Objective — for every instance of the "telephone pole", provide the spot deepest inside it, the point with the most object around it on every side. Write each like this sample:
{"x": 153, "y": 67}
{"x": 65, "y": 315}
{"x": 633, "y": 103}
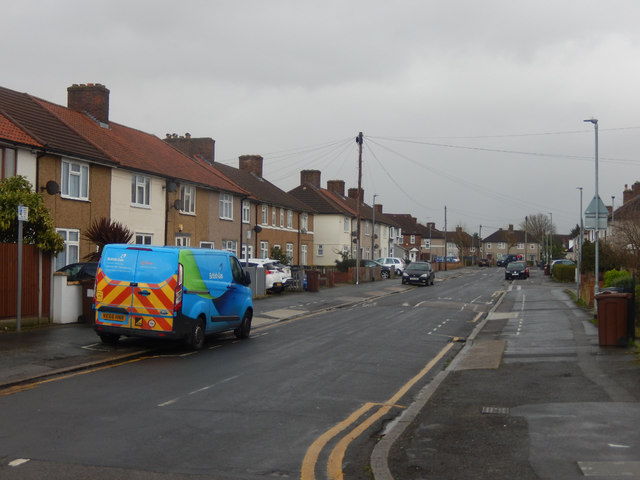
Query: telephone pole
{"x": 359, "y": 142}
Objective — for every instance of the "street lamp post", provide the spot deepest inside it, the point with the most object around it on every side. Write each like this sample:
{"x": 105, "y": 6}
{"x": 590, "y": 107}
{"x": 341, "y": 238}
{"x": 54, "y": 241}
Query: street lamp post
{"x": 596, "y": 287}
{"x": 580, "y": 247}
{"x": 550, "y": 252}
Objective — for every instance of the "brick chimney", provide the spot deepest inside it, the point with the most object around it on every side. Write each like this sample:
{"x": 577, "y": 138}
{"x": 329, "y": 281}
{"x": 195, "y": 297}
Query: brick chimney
{"x": 630, "y": 193}
{"x": 336, "y": 186}
{"x": 203, "y": 148}
{"x": 92, "y": 98}
{"x": 251, "y": 164}
{"x": 511, "y": 229}
{"x": 310, "y": 176}
{"x": 378, "y": 208}
{"x": 353, "y": 193}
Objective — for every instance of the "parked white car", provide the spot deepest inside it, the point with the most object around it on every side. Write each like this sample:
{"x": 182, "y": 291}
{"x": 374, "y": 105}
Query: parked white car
{"x": 274, "y": 278}
{"x": 395, "y": 263}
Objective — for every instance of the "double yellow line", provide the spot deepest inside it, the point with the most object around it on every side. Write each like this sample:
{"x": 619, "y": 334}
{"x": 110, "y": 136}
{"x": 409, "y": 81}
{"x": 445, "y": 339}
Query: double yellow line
{"x": 334, "y": 464}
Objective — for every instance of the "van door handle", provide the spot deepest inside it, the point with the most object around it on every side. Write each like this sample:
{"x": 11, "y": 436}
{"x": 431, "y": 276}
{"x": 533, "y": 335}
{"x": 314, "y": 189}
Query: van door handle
{"x": 144, "y": 292}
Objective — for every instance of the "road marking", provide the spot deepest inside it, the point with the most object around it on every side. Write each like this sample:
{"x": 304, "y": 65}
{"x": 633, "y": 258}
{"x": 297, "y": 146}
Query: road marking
{"x": 334, "y": 465}
{"x": 199, "y": 390}
{"x": 477, "y": 317}
{"x": 18, "y": 461}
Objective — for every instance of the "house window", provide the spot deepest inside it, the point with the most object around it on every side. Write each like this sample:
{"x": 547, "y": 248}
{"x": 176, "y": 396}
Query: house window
{"x": 305, "y": 221}
{"x": 427, "y": 243}
{"x": 472, "y": 249}
{"x": 532, "y": 247}
{"x": 501, "y": 245}
{"x": 303, "y": 254}
{"x": 367, "y": 228}
{"x": 273, "y": 216}
{"x": 246, "y": 254}
{"x": 210, "y": 245}
{"x": 289, "y": 219}
{"x": 226, "y": 206}
{"x": 7, "y": 163}
{"x": 264, "y": 249}
{"x": 265, "y": 215}
{"x": 246, "y": 211}
{"x": 367, "y": 252}
{"x": 140, "y": 190}
{"x": 488, "y": 246}
{"x": 183, "y": 241}
{"x": 188, "y": 197}
{"x": 75, "y": 180}
{"x": 229, "y": 245}
{"x": 71, "y": 251}
{"x": 347, "y": 225}
{"x": 521, "y": 246}
{"x": 290, "y": 252}
{"x": 143, "y": 238}
{"x": 412, "y": 239}
{"x": 320, "y": 250}
{"x": 282, "y": 218}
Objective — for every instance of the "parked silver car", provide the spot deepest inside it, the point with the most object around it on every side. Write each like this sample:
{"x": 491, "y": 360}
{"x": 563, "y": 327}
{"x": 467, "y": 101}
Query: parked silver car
{"x": 394, "y": 263}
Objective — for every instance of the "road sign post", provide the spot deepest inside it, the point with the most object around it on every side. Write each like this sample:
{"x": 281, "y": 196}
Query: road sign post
{"x": 23, "y": 216}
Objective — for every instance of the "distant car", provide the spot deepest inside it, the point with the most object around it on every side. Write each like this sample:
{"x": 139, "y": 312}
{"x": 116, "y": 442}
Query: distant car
{"x": 517, "y": 269}
{"x": 452, "y": 259}
{"x": 560, "y": 261}
{"x": 385, "y": 272}
{"x": 395, "y": 263}
{"x": 287, "y": 278}
{"x": 484, "y": 262}
{"x": 420, "y": 273}
{"x": 80, "y": 271}
{"x": 274, "y": 279}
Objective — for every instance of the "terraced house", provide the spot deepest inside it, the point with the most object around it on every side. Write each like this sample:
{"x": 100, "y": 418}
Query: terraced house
{"x": 94, "y": 167}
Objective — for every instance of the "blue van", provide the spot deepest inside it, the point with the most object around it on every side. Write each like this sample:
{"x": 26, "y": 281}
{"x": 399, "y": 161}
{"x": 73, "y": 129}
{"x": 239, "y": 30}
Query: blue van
{"x": 170, "y": 292}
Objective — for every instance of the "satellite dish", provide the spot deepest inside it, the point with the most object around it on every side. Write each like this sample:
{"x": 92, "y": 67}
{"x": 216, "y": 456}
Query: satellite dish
{"x": 257, "y": 229}
{"x": 52, "y": 187}
{"x": 178, "y": 205}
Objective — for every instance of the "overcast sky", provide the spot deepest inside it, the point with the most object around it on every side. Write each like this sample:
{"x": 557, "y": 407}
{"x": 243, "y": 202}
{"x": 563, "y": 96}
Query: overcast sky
{"x": 473, "y": 106}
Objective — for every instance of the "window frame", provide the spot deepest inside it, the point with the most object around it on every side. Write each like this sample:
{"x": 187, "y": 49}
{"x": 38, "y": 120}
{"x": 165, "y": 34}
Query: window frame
{"x": 68, "y": 247}
{"x": 144, "y": 237}
{"x": 246, "y": 211}
{"x": 66, "y": 179}
{"x": 188, "y": 197}
{"x": 140, "y": 182}
{"x": 226, "y": 206}
{"x": 5, "y": 160}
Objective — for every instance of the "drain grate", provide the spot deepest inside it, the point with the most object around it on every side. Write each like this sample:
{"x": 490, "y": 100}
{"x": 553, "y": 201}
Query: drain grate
{"x": 495, "y": 410}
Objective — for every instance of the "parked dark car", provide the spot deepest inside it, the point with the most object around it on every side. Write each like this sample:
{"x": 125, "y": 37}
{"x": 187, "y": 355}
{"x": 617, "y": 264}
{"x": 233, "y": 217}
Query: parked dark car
{"x": 560, "y": 261}
{"x": 385, "y": 271}
{"x": 419, "y": 273}
{"x": 516, "y": 269}
{"x": 484, "y": 262}
{"x": 80, "y": 271}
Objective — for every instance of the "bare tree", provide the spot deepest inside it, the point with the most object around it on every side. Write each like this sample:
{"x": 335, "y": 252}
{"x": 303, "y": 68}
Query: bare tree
{"x": 626, "y": 242}
{"x": 537, "y": 226}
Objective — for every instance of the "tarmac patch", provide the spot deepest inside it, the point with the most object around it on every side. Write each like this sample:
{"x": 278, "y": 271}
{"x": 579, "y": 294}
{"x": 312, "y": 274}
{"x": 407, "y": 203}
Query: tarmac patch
{"x": 482, "y": 354}
{"x": 502, "y": 315}
{"x": 282, "y": 313}
{"x": 610, "y": 469}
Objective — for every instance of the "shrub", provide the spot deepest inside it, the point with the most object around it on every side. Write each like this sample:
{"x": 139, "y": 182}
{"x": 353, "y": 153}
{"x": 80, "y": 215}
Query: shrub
{"x": 564, "y": 273}
{"x": 618, "y": 278}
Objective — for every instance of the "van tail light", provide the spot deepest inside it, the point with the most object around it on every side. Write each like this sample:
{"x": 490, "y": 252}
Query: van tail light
{"x": 177, "y": 299}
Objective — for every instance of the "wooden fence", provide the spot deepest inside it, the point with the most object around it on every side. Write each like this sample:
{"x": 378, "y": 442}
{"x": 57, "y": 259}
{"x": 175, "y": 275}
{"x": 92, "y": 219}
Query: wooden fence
{"x": 36, "y": 281}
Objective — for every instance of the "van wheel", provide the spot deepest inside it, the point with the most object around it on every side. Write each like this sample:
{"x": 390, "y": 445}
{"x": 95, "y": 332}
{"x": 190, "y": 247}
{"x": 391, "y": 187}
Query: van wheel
{"x": 109, "y": 338}
{"x": 196, "y": 339}
{"x": 244, "y": 330}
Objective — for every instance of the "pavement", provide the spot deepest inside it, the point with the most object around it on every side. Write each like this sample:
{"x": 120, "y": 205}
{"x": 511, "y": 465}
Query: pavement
{"x": 531, "y": 395}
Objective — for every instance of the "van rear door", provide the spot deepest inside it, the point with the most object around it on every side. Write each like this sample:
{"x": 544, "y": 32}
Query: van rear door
{"x": 135, "y": 288}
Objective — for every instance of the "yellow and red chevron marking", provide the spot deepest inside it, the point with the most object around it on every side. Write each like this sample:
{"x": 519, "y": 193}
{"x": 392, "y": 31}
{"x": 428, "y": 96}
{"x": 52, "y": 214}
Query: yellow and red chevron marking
{"x": 111, "y": 292}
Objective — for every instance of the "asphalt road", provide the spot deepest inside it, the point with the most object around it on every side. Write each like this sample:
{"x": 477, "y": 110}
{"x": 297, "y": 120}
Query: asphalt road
{"x": 299, "y": 398}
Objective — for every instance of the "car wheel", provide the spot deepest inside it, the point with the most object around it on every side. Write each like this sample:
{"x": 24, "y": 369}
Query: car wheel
{"x": 398, "y": 272}
{"x": 385, "y": 274}
{"x": 244, "y": 330}
{"x": 196, "y": 338}
{"x": 109, "y": 338}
